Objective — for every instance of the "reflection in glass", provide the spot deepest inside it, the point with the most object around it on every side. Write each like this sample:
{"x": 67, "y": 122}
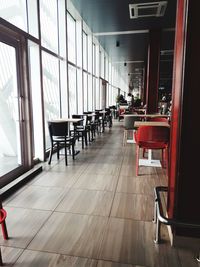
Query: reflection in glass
{"x": 35, "y": 84}
{"x": 51, "y": 91}
{"x": 14, "y": 11}
{"x": 97, "y": 94}
{"x": 49, "y": 25}
{"x": 85, "y": 48}
{"x": 85, "y": 91}
{"x": 80, "y": 91}
{"x": 90, "y": 93}
{"x": 71, "y": 38}
{"x": 10, "y": 147}
{"x": 72, "y": 89}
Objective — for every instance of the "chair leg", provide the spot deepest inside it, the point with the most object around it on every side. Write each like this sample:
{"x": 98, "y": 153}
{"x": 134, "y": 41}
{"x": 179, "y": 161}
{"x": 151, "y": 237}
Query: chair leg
{"x": 50, "y": 155}
{"x": 65, "y": 154}
{"x": 137, "y": 159}
{"x": 86, "y": 140}
{"x": 1, "y": 262}
{"x": 4, "y": 230}
{"x": 82, "y": 139}
{"x": 73, "y": 151}
{"x": 58, "y": 148}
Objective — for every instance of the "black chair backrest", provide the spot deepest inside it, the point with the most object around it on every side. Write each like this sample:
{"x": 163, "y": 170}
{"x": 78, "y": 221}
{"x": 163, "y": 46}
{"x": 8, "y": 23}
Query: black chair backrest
{"x": 108, "y": 111}
{"x": 75, "y": 116}
{"x": 58, "y": 129}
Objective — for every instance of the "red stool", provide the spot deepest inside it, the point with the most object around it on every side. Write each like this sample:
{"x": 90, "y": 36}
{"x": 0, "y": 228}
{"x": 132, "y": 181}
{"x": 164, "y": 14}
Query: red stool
{"x": 3, "y": 215}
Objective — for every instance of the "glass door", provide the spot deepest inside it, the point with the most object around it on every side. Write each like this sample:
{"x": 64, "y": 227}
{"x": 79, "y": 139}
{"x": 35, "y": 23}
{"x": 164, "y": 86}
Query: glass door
{"x": 10, "y": 145}
{"x": 13, "y": 134}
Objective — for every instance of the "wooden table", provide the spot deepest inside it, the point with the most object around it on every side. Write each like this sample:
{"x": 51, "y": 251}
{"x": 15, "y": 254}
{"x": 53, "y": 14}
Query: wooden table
{"x": 67, "y": 120}
{"x": 151, "y": 123}
{"x": 147, "y": 115}
{"x": 150, "y": 162}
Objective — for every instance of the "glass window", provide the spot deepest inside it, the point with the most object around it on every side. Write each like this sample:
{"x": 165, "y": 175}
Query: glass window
{"x": 34, "y": 75}
{"x": 71, "y": 37}
{"x": 14, "y": 11}
{"x": 97, "y": 94}
{"x": 79, "y": 43}
{"x": 80, "y": 91}
{"x": 97, "y": 61}
{"x": 93, "y": 59}
{"x": 102, "y": 65}
{"x": 85, "y": 48}
{"x": 49, "y": 24}
{"x": 63, "y": 88}
{"x": 32, "y": 18}
{"x": 62, "y": 28}
{"x": 106, "y": 68}
{"x": 51, "y": 90}
{"x": 72, "y": 90}
{"x": 94, "y": 93}
{"x": 85, "y": 91}
{"x": 90, "y": 93}
{"x": 90, "y": 53}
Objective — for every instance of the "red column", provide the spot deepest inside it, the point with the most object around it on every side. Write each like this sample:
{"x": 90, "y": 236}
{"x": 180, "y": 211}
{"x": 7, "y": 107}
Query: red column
{"x": 153, "y": 71}
{"x": 184, "y": 181}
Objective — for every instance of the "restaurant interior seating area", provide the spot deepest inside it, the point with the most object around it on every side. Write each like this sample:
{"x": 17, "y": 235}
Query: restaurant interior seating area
{"x": 99, "y": 135}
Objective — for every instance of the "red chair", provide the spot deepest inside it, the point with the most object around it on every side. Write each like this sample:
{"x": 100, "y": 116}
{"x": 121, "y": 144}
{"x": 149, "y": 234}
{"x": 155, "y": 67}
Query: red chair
{"x": 152, "y": 137}
{"x": 3, "y": 215}
{"x": 161, "y": 119}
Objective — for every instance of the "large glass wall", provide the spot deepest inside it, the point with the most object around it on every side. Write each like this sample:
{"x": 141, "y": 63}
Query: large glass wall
{"x": 65, "y": 63}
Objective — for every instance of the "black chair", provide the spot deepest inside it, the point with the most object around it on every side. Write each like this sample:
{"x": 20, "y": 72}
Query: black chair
{"x": 108, "y": 117}
{"x": 80, "y": 129}
{"x": 59, "y": 136}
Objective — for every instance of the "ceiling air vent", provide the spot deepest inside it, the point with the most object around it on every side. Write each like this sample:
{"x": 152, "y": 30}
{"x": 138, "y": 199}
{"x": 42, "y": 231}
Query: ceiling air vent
{"x": 153, "y": 9}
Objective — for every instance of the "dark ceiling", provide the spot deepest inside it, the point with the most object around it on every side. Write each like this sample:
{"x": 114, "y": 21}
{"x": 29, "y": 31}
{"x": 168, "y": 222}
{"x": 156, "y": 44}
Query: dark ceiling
{"x": 106, "y": 18}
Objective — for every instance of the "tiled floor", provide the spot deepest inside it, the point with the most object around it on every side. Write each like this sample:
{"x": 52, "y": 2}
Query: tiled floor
{"x": 92, "y": 213}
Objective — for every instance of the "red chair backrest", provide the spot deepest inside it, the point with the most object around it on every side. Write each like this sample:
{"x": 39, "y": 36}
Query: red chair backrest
{"x": 152, "y": 134}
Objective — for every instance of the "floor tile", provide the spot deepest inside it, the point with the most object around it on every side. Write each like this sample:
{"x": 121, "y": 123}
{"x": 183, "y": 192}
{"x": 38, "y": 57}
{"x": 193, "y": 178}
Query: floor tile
{"x": 31, "y": 258}
{"x": 96, "y": 182}
{"x": 133, "y": 206}
{"x": 39, "y": 197}
{"x": 22, "y": 225}
{"x": 137, "y": 185}
{"x": 59, "y": 179}
{"x": 103, "y": 168}
{"x": 188, "y": 258}
{"x": 10, "y": 255}
{"x": 87, "y": 202}
{"x": 114, "y": 264}
{"x": 72, "y": 234}
{"x": 134, "y": 244}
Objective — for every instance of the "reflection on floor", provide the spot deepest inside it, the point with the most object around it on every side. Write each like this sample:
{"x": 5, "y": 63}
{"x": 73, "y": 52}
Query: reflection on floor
{"x": 94, "y": 212}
